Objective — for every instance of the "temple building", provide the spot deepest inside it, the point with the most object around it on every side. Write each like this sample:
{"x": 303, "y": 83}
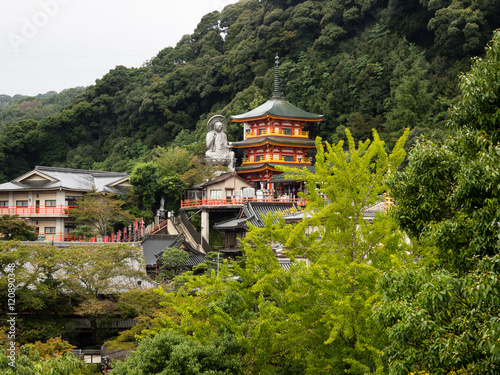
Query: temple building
{"x": 273, "y": 136}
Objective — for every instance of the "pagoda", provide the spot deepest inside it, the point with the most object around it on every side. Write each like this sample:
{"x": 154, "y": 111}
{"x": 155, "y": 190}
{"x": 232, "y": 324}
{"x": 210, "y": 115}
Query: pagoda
{"x": 273, "y": 136}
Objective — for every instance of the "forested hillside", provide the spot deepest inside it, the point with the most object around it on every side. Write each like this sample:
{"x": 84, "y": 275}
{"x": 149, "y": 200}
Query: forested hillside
{"x": 363, "y": 64}
{"x": 20, "y": 107}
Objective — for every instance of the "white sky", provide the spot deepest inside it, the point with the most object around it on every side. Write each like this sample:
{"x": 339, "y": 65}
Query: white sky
{"x": 51, "y": 45}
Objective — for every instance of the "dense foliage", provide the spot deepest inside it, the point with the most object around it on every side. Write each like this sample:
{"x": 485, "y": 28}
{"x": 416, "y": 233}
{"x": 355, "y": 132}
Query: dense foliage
{"x": 314, "y": 317}
{"x": 444, "y": 317}
{"x": 13, "y": 228}
{"x": 52, "y": 283}
{"x": 363, "y": 64}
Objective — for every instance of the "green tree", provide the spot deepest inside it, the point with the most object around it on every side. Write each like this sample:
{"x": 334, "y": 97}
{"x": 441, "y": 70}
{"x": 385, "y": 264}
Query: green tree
{"x": 172, "y": 160}
{"x": 13, "y": 228}
{"x": 444, "y": 317}
{"x": 324, "y": 301}
{"x": 93, "y": 272}
{"x": 169, "y": 352}
{"x": 150, "y": 185}
{"x": 29, "y": 362}
{"x": 101, "y": 211}
{"x": 174, "y": 261}
{"x": 37, "y": 290}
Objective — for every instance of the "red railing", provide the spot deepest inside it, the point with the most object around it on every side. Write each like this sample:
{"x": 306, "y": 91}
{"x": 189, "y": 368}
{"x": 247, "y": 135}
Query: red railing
{"x": 240, "y": 201}
{"x": 61, "y": 237}
{"x": 158, "y": 228}
{"x": 35, "y": 210}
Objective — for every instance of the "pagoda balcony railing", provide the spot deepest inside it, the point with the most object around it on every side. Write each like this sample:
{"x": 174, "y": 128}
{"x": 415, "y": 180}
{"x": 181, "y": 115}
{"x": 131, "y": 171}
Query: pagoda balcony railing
{"x": 274, "y": 159}
{"x": 295, "y": 133}
{"x": 55, "y": 210}
{"x": 237, "y": 201}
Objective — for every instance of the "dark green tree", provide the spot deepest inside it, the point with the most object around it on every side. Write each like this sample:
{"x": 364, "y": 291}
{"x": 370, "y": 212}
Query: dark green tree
{"x": 169, "y": 352}
{"x": 443, "y": 316}
{"x": 173, "y": 261}
{"x": 14, "y": 228}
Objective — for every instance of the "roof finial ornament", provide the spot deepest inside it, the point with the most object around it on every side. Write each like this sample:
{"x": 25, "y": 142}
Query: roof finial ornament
{"x": 277, "y": 91}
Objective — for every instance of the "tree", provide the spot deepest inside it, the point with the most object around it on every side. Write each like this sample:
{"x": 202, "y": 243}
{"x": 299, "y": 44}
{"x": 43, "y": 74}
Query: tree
{"x": 150, "y": 185}
{"x": 316, "y": 316}
{"x": 169, "y": 352}
{"x": 172, "y": 160}
{"x": 30, "y": 362}
{"x": 173, "y": 262}
{"x": 13, "y": 228}
{"x": 101, "y": 211}
{"x": 37, "y": 290}
{"x": 85, "y": 231}
{"x": 91, "y": 273}
{"x": 442, "y": 316}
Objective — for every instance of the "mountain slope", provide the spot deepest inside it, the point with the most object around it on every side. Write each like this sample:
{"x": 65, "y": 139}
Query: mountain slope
{"x": 363, "y": 64}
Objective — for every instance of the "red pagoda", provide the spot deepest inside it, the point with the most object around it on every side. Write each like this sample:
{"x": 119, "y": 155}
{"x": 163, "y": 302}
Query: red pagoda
{"x": 273, "y": 136}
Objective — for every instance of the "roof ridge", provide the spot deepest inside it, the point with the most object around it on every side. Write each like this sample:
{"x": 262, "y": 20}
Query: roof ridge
{"x": 80, "y": 171}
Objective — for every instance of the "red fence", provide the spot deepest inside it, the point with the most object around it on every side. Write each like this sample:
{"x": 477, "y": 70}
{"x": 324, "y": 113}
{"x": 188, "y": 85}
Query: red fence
{"x": 239, "y": 201}
{"x": 35, "y": 210}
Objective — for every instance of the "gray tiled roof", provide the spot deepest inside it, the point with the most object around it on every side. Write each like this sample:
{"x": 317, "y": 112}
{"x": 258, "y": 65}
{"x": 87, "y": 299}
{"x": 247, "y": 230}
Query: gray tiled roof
{"x": 152, "y": 246}
{"x": 254, "y": 210}
{"x": 195, "y": 259}
{"x": 251, "y": 213}
{"x": 70, "y": 179}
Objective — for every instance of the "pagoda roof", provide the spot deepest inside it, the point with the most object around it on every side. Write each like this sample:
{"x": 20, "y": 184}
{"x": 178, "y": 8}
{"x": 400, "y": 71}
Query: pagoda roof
{"x": 275, "y": 140}
{"x": 277, "y": 107}
{"x": 282, "y": 177}
{"x": 271, "y": 166}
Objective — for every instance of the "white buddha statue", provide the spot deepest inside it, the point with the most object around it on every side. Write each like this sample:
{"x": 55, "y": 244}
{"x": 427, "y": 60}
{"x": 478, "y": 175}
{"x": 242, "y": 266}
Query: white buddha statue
{"x": 218, "y": 150}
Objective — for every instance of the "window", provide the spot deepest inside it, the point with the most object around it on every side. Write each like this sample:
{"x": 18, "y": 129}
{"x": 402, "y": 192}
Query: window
{"x": 71, "y": 201}
{"x": 288, "y": 158}
{"x": 4, "y": 203}
{"x": 68, "y": 227}
{"x": 260, "y": 157}
{"x": 287, "y": 131}
{"x": 229, "y": 193}
{"x": 50, "y": 230}
{"x": 216, "y": 194}
{"x": 21, "y": 203}
{"x": 194, "y": 195}
{"x": 50, "y": 203}
{"x": 262, "y": 131}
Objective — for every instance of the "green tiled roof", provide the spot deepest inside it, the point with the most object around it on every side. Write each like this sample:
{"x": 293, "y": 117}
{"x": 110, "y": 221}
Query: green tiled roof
{"x": 278, "y": 107}
{"x": 250, "y": 167}
{"x": 294, "y": 141}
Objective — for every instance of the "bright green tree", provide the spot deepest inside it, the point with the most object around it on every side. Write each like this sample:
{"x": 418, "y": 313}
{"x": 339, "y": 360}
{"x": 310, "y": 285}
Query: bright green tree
{"x": 316, "y": 316}
{"x": 443, "y": 317}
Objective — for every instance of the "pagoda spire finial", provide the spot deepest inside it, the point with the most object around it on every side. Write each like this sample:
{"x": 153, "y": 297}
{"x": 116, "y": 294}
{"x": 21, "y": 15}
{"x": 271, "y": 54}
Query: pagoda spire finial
{"x": 277, "y": 91}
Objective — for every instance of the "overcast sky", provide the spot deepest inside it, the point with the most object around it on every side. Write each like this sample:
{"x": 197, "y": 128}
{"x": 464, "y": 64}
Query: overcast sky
{"x": 51, "y": 45}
